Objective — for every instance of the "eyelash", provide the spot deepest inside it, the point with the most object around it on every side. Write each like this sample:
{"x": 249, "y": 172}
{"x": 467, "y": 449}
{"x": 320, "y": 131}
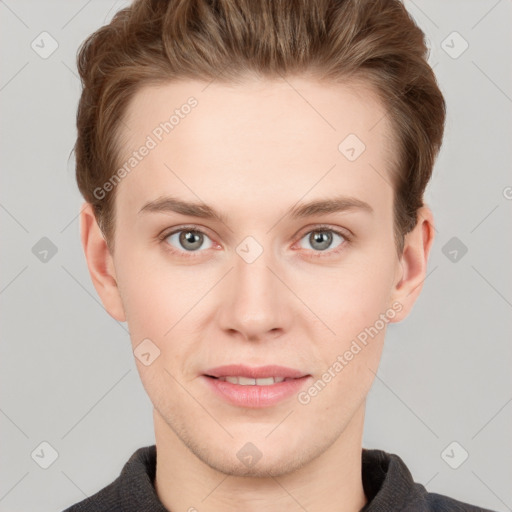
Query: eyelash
{"x": 316, "y": 254}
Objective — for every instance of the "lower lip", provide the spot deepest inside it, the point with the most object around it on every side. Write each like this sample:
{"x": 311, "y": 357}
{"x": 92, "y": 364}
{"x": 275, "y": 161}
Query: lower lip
{"x": 256, "y": 396}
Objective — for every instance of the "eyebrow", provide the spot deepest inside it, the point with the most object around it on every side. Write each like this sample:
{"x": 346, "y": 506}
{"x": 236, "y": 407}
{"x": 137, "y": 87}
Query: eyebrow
{"x": 201, "y": 210}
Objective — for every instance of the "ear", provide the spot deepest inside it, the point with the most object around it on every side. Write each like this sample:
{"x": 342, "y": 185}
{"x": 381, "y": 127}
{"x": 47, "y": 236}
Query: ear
{"x": 413, "y": 263}
{"x": 100, "y": 263}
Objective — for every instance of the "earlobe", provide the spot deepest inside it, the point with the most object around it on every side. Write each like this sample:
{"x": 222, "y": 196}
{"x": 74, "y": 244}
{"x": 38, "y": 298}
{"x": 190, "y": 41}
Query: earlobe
{"x": 414, "y": 262}
{"x": 100, "y": 263}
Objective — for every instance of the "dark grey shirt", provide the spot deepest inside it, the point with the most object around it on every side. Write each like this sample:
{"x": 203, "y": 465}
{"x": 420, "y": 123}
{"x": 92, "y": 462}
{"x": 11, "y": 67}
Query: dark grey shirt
{"x": 387, "y": 483}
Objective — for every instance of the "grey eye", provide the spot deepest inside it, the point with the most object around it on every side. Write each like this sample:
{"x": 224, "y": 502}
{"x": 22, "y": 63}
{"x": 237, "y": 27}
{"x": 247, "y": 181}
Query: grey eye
{"x": 321, "y": 239}
{"x": 188, "y": 239}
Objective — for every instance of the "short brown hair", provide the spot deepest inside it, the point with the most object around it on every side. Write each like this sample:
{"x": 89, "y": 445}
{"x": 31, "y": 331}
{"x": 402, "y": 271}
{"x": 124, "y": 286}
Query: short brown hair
{"x": 155, "y": 41}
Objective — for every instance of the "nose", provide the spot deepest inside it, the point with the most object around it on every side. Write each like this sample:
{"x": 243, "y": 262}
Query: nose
{"x": 255, "y": 304}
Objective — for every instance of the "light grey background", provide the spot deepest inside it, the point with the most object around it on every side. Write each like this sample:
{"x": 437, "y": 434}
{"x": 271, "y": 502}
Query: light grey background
{"x": 68, "y": 376}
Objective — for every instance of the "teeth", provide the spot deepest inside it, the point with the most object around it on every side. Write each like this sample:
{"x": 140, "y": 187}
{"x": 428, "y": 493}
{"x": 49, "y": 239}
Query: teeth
{"x": 247, "y": 381}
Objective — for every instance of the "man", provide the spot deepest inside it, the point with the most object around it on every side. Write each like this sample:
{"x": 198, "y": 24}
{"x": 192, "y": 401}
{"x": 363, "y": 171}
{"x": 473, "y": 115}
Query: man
{"x": 254, "y": 175}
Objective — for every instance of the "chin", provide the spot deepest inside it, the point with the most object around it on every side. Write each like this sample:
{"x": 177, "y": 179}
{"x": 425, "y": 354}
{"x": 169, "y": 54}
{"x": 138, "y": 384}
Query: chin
{"x": 273, "y": 466}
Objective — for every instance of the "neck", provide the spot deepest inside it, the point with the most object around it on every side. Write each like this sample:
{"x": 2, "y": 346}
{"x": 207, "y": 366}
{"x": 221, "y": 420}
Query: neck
{"x": 330, "y": 482}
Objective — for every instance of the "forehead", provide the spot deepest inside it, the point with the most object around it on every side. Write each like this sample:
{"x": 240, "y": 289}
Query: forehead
{"x": 262, "y": 139}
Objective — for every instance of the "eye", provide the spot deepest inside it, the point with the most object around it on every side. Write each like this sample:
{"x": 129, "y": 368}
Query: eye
{"x": 321, "y": 239}
{"x": 187, "y": 240}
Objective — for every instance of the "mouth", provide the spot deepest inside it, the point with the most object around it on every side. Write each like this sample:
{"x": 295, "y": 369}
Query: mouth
{"x": 248, "y": 381}
{"x": 255, "y": 387}
{"x": 254, "y": 375}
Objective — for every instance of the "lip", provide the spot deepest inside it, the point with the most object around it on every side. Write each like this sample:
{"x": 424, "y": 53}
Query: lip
{"x": 255, "y": 372}
{"x": 254, "y": 396}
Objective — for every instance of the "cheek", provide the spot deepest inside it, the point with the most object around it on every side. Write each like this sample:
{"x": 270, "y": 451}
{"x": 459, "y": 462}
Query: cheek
{"x": 155, "y": 294}
{"x": 160, "y": 297}
{"x": 353, "y": 298}
{"x": 354, "y": 303}
{"x": 162, "y": 303}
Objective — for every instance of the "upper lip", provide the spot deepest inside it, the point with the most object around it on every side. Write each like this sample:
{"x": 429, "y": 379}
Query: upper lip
{"x": 255, "y": 372}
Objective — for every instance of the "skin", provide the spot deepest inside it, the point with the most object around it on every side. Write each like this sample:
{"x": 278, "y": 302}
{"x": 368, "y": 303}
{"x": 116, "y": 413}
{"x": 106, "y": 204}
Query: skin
{"x": 252, "y": 151}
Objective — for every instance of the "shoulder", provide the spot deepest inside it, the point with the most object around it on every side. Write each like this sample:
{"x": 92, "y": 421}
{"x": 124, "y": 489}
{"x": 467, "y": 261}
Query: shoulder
{"x": 433, "y": 502}
{"x": 389, "y": 485}
{"x": 107, "y": 499}
{"x": 441, "y": 503}
{"x": 131, "y": 490}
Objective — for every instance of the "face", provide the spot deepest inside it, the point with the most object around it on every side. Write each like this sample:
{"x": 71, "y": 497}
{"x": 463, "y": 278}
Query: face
{"x": 254, "y": 278}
